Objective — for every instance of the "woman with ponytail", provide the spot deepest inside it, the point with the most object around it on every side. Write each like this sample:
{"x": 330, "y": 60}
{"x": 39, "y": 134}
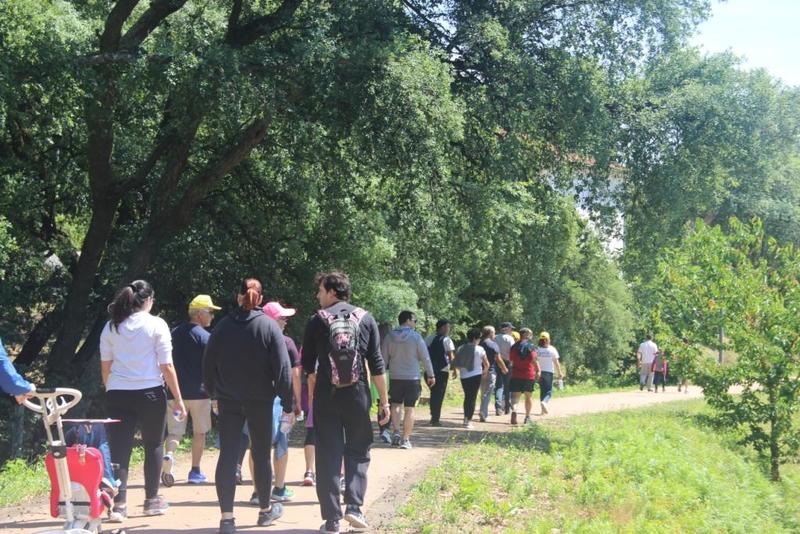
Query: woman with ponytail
{"x": 136, "y": 360}
{"x": 246, "y": 366}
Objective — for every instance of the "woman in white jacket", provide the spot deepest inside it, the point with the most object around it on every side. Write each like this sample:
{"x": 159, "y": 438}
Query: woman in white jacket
{"x": 136, "y": 360}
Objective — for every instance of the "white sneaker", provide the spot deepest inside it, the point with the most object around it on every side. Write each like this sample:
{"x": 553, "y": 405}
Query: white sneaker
{"x": 167, "y": 477}
{"x": 545, "y": 411}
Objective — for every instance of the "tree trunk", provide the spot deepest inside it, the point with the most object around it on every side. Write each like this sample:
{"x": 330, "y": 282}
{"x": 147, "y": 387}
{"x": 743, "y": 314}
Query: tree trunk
{"x": 74, "y": 312}
{"x": 39, "y": 337}
{"x": 774, "y": 437}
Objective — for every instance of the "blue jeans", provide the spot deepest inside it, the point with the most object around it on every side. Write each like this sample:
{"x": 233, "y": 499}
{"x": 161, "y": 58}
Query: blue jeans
{"x": 545, "y": 386}
{"x": 487, "y": 388}
{"x": 502, "y": 396}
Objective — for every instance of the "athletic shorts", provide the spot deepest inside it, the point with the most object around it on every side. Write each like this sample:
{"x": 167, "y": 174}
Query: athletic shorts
{"x": 200, "y": 412}
{"x": 521, "y": 385}
{"x": 405, "y": 392}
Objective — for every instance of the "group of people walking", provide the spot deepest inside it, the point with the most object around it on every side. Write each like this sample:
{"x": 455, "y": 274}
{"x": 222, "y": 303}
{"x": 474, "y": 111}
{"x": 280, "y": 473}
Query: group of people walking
{"x": 257, "y": 381}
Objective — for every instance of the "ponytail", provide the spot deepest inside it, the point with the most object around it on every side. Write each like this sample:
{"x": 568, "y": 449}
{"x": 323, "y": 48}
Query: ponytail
{"x": 250, "y": 294}
{"x": 128, "y": 301}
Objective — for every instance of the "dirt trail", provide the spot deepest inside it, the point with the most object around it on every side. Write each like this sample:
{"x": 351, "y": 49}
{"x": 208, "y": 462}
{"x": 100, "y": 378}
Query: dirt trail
{"x": 391, "y": 474}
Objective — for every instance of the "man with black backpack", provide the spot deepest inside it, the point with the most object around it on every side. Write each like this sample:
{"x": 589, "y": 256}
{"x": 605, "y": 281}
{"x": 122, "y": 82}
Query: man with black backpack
{"x": 340, "y": 341}
{"x": 442, "y": 351}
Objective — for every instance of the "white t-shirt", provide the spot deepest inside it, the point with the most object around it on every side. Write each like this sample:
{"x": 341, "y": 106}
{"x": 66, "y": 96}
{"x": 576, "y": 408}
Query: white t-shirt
{"x": 648, "y": 351}
{"x": 449, "y": 347}
{"x": 136, "y": 349}
{"x": 477, "y": 368}
{"x": 505, "y": 342}
{"x": 545, "y": 357}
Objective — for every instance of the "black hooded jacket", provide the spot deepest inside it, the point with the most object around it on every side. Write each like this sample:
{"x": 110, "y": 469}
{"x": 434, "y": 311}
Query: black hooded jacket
{"x": 246, "y": 360}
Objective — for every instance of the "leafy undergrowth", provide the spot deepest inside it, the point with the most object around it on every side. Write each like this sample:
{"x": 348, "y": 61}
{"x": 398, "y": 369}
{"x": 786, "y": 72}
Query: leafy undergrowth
{"x": 654, "y": 470}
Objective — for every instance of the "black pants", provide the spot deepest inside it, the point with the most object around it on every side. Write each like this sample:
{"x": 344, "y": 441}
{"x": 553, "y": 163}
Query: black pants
{"x": 471, "y": 386}
{"x": 145, "y": 408}
{"x": 343, "y": 431}
{"x": 232, "y": 416}
{"x": 437, "y": 394}
{"x": 545, "y": 386}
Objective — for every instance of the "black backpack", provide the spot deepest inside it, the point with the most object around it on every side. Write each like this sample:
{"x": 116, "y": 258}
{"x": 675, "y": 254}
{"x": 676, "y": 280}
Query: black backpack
{"x": 343, "y": 334}
{"x": 437, "y": 354}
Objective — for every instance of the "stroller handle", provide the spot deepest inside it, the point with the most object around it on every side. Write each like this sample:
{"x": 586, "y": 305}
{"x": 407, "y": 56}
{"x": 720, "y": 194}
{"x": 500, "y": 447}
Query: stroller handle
{"x": 56, "y": 398}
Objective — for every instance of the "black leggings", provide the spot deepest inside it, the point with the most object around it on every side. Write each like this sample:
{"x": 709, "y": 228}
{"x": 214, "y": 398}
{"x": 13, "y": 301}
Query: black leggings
{"x": 471, "y": 386}
{"x": 146, "y": 408}
{"x": 232, "y": 416}
{"x": 437, "y": 394}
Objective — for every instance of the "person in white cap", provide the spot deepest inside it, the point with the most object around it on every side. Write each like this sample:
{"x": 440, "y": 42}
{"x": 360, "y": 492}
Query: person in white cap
{"x": 189, "y": 341}
{"x": 280, "y": 440}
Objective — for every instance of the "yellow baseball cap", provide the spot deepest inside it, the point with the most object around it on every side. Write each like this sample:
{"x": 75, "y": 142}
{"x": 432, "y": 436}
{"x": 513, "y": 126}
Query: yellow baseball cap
{"x": 203, "y": 302}
{"x": 544, "y": 335}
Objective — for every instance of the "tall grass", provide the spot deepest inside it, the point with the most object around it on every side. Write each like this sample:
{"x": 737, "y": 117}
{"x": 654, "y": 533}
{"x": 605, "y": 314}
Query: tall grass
{"x": 654, "y": 470}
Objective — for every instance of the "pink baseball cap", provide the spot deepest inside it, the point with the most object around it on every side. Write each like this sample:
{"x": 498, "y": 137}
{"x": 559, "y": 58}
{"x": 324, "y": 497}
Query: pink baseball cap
{"x": 276, "y": 311}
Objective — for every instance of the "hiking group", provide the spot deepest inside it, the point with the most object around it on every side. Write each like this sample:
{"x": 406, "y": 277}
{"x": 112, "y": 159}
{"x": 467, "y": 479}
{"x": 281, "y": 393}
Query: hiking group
{"x": 257, "y": 382}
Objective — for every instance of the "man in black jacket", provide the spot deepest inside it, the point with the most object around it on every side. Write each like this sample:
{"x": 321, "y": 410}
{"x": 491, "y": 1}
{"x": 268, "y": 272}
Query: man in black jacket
{"x": 341, "y": 407}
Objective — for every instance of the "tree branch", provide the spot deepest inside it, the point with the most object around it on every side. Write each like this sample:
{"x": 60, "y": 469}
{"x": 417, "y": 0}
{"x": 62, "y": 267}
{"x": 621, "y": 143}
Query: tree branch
{"x": 109, "y": 40}
{"x": 241, "y": 36}
{"x": 149, "y": 21}
{"x": 233, "y": 19}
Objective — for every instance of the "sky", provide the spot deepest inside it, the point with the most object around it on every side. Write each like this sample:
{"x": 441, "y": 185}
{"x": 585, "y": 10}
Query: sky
{"x": 765, "y": 32}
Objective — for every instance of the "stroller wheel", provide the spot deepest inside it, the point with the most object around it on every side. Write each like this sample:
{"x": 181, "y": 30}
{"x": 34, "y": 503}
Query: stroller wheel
{"x": 167, "y": 479}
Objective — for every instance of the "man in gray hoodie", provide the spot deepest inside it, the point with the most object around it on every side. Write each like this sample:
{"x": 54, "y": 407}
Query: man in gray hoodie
{"x": 404, "y": 350}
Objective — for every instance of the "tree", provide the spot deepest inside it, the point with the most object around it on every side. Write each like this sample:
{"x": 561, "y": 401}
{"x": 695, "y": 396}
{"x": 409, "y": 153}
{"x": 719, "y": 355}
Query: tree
{"x": 748, "y": 283}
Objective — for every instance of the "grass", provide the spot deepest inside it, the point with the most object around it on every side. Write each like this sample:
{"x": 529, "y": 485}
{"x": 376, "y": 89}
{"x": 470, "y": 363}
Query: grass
{"x": 654, "y": 470}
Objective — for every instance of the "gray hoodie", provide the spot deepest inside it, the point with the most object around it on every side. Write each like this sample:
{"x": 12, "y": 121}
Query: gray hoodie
{"x": 404, "y": 349}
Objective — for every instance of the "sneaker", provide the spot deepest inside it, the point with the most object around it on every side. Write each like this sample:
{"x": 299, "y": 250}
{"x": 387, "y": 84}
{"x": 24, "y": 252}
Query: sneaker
{"x": 283, "y": 494}
{"x": 118, "y": 513}
{"x": 254, "y": 499}
{"x": 155, "y": 506}
{"x": 468, "y": 424}
{"x": 482, "y": 419}
{"x": 513, "y": 418}
{"x": 406, "y": 444}
{"x": 396, "y": 440}
{"x": 196, "y": 477}
{"x": 356, "y": 519}
{"x": 435, "y": 423}
{"x": 527, "y": 420}
{"x": 227, "y": 526}
{"x": 309, "y": 479}
{"x": 545, "y": 411}
{"x": 239, "y": 480}
{"x": 265, "y": 519}
{"x": 498, "y": 413}
{"x": 167, "y": 477}
{"x": 330, "y": 527}
{"x": 341, "y": 484}
{"x": 386, "y": 436}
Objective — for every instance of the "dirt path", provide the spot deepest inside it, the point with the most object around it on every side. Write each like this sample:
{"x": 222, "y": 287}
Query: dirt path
{"x": 391, "y": 474}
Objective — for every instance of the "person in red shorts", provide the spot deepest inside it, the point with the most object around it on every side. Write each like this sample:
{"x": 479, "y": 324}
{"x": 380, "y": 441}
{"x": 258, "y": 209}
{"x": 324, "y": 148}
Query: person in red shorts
{"x": 524, "y": 372}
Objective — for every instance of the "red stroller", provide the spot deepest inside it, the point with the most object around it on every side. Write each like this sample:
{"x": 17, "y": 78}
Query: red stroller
{"x": 75, "y": 472}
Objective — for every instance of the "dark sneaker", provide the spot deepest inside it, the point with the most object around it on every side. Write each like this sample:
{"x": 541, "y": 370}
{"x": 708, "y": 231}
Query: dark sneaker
{"x": 118, "y": 513}
{"x": 155, "y": 506}
{"x": 482, "y": 419}
{"x": 527, "y": 420}
{"x": 356, "y": 519}
{"x": 227, "y": 526}
{"x": 330, "y": 527}
{"x": 254, "y": 499}
{"x": 265, "y": 519}
{"x": 283, "y": 494}
{"x": 309, "y": 479}
{"x": 196, "y": 477}
{"x": 396, "y": 440}
{"x": 239, "y": 480}
{"x": 436, "y": 423}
